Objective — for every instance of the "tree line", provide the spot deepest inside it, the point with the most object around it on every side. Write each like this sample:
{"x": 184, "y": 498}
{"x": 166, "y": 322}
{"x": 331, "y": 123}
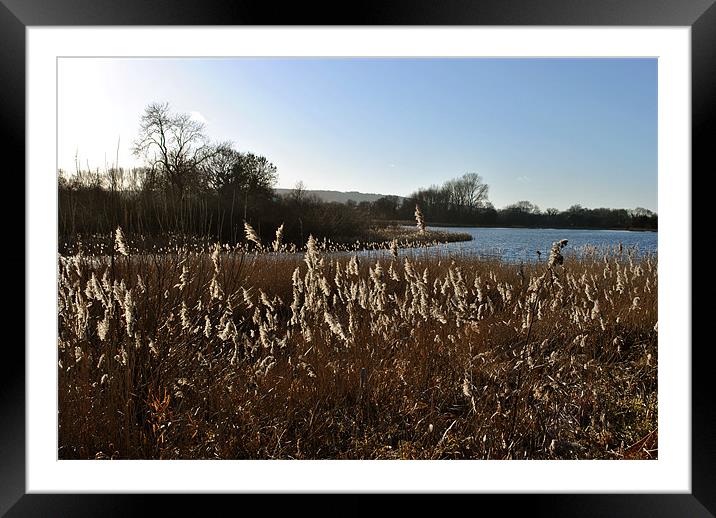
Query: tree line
{"x": 192, "y": 186}
{"x": 439, "y": 210}
{"x": 189, "y": 185}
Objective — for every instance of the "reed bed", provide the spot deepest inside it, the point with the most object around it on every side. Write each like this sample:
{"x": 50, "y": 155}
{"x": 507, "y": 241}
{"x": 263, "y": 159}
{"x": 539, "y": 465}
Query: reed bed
{"x": 376, "y": 239}
{"x": 247, "y": 352}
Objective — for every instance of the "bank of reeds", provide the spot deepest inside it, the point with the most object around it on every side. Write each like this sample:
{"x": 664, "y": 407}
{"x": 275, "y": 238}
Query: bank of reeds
{"x": 228, "y": 353}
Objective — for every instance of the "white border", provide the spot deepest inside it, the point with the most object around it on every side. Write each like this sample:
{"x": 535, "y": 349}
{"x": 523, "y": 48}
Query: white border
{"x": 671, "y": 472}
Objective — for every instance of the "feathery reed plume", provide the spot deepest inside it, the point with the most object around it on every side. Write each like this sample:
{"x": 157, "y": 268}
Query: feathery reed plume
{"x": 394, "y": 248}
{"x": 129, "y": 312}
{"x": 215, "y": 289}
{"x": 184, "y": 314}
{"x": 140, "y": 284}
{"x": 247, "y": 298}
{"x": 555, "y": 253}
{"x": 335, "y": 326}
{"x": 120, "y": 244}
{"x": 279, "y": 237}
{"x": 419, "y": 219}
{"x": 215, "y": 257}
{"x": 103, "y": 325}
{"x": 251, "y": 234}
{"x": 183, "y": 278}
{"x": 311, "y": 257}
{"x": 207, "y": 326}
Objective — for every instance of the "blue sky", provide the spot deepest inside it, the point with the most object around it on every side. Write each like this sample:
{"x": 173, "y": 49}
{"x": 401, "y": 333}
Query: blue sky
{"x": 552, "y": 131}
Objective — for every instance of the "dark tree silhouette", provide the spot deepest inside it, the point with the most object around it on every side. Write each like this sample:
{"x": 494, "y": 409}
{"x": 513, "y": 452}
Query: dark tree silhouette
{"x": 175, "y": 146}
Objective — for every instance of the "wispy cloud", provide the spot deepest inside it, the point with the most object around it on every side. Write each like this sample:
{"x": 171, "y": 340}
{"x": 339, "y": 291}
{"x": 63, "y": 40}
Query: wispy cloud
{"x": 523, "y": 178}
{"x": 198, "y": 117}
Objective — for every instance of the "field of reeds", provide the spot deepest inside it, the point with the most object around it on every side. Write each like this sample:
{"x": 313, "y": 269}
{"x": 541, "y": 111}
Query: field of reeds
{"x": 375, "y": 239}
{"x": 223, "y": 352}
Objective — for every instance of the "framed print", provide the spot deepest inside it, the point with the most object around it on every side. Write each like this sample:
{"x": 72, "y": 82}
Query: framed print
{"x": 415, "y": 251}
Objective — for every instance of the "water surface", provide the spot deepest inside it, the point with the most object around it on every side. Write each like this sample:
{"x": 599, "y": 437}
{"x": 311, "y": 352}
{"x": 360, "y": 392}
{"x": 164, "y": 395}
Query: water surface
{"x": 521, "y": 244}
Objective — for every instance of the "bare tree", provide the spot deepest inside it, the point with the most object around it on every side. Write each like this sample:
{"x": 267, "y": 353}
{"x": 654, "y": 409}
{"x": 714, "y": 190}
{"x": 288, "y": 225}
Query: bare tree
{"x": 298, "y": 193}
{"x": 641, "y": 212}
{"x": 175, "y": 145}
{"x": 524, "y": 206}
{"x": 456, "y": 194}
{"x": 475, "y": 190}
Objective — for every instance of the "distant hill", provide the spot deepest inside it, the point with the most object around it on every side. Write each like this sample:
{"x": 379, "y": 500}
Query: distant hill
{"x": 339, "y": 196}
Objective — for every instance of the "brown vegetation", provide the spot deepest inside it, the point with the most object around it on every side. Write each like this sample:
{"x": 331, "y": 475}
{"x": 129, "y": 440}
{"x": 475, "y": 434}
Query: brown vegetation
{"x": 227, "y": 354}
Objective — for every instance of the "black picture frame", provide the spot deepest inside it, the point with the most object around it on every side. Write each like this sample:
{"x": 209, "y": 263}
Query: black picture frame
{"x": 700, "y": 15}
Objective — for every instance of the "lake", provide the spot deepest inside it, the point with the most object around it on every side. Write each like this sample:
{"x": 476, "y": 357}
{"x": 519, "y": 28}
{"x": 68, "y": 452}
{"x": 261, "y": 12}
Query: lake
{"x": 519, "y": 244}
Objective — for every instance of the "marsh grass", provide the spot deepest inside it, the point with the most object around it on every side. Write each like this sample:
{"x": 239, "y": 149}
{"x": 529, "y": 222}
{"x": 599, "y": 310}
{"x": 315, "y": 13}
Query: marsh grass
{"x": 227, "y": 353}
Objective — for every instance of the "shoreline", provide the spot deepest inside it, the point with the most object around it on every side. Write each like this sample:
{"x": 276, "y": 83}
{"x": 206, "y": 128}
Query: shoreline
{"x": 389, "y": 223}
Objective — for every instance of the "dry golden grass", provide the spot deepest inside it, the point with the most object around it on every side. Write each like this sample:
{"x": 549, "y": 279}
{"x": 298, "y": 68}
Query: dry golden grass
{"x": 224, "y": 354}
